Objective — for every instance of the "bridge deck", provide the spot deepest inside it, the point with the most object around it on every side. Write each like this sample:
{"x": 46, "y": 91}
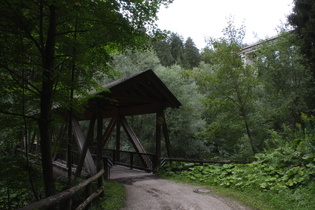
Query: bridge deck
{"x": 117, "y": 172}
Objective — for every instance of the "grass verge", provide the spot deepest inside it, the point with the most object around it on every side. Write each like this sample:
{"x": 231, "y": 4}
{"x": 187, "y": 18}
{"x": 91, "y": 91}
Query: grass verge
{"x": 114, "y": 197}
{"x": 251, "y": 198}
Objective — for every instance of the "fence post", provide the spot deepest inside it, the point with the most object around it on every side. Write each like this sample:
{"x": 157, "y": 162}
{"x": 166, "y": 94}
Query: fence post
{"x": 131, "y": 160}
{"x": 106, "y": 168}
{"x": 154, "y": 163}
{"x": 88, "y": 191}
{"x": 114, "y": 156}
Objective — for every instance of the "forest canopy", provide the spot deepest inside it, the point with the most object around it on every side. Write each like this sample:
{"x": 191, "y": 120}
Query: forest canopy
{"x": 53, "y": 51}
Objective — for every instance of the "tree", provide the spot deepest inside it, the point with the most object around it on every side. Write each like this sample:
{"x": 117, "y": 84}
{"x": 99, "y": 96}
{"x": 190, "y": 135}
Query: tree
{"x": 303, "y": 21}
{"x": 49, "y": 49}
{"x": 191, "y": 54}
{"x": 177, "y": 48}
{"x": 163, "y": 51}
{"x": 229, "y": 86}
{"x": 184, "y": 122}
{"x": 206, "y": 55}
{"x": 285, "y": 81}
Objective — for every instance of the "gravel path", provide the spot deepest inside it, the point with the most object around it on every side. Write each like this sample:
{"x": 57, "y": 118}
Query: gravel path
{"x": 149, "y": 192}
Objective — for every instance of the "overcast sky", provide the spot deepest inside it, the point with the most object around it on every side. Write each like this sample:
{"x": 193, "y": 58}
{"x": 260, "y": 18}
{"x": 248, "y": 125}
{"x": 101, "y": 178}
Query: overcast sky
{"x": 206, "y": 18}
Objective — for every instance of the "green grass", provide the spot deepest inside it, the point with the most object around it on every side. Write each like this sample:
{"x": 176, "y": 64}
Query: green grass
{"x": 114, "y": 197}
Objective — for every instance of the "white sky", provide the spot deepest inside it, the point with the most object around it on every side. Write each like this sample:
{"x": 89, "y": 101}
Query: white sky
{"x": 199, "y": 19}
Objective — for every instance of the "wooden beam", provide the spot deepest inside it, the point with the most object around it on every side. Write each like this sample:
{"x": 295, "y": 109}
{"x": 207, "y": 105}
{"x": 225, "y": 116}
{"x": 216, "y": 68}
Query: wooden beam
{"x": 158, "y": 128}
{"x": 166, "y": 136}
{"x": 59, "y": 138}
{"x": 108, "y": 131}
{"x": 87, "y": 143}
{"x": 79, "y": 138}
{"x": 128, "y": 110}
{"x": 135, "y": 142}
{"x": 118, "y": 140}
{"x": 99, "y": 135}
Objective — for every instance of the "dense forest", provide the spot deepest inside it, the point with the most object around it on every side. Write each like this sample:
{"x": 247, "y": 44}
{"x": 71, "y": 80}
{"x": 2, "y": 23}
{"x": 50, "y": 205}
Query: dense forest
{"x": 262, "y": 113}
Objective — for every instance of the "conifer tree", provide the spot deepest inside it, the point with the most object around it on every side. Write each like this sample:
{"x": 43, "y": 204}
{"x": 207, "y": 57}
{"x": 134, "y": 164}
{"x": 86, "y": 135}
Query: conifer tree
{"x": 191, "y": 55}
{"x": 177, "y": 48}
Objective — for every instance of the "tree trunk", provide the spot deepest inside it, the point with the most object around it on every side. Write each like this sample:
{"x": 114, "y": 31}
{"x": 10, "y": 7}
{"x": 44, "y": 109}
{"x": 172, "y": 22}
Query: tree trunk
{"x": 248, "y": 132}
{"x": 46, "y": 105}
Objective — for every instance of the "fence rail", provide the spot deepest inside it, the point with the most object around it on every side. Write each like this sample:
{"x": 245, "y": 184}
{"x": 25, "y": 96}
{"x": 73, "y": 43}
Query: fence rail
{"x": 204, "y": 161}
{"x": 131, "y": 159}
{"x": 65, "y": 197}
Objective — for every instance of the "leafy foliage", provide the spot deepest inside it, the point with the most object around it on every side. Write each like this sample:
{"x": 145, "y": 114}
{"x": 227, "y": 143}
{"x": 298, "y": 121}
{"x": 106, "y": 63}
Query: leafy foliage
{"x": 184, "y": 122}
{"x": 51, "y": 50}
{"x": 303, "y": 20}
{"x": 16, "y": 190}
{"x": 285, "y": 83}
{"x": 288, "y": 169}
{"x": 229, "y": 87}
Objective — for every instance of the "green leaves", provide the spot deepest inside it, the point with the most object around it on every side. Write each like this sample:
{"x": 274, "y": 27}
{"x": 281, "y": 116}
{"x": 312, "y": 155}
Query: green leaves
{"x": 289, "y": 168}
{"x": 254, "y": 175}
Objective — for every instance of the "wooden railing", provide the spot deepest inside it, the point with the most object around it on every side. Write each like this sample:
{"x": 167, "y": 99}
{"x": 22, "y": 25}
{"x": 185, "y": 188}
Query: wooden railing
{"x": 204, "y": 161}
{"x": 63, "y": 200}
{"x": 131, "y": 159}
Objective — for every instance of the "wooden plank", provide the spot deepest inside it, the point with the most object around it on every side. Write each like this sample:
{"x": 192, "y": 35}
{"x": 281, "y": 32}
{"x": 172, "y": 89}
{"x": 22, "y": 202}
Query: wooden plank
{"x": 135, "y": 142}
{"x": 79, "y": 137}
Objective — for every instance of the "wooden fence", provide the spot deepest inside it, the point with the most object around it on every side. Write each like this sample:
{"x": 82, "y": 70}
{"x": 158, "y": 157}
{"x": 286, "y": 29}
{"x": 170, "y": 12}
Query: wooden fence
{"x": 203, "y": 161}
{"x": 64, "y": 198}
{"x": 132, "y": 159}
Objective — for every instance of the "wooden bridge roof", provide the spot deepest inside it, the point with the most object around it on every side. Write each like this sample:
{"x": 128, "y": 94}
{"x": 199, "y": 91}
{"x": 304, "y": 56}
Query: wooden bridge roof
{"x": 142, "y": 93}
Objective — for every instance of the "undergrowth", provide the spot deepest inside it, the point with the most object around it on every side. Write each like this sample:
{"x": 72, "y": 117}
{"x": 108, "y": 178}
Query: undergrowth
{"x": 15, "y": 183}
{"x": 283, "y": 176}
{"x": 291, "y": 188}
{"x": 114, "y": 197}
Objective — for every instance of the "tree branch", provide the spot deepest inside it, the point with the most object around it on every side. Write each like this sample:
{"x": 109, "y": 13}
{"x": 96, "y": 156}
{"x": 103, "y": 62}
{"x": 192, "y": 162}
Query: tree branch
{"x": 14, "y": 75}
{"x": 18, "y": 115}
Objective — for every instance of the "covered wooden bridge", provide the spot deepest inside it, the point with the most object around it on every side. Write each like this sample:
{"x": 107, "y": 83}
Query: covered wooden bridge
{"x": 142, "y": 93}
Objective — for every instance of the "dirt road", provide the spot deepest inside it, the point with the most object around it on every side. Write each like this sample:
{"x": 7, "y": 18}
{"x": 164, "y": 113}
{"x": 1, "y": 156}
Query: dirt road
{"x": 147, "y": 191}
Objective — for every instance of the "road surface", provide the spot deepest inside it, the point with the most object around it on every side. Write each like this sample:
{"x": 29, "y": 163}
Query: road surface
{"x": 146, "y": 191}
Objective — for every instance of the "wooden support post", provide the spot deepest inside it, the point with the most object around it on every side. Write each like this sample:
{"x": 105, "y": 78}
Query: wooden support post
{"x": 166, "y": 137}
{"x": 159, "y": 123}
{"x": 117, "y": 158}
{"x": 88, "y": 191}
{"x": 106, "y": 168}
{"x": 99, "y": 135}
{"x": 69, "y": 148}
{"x": 131, "y": 161}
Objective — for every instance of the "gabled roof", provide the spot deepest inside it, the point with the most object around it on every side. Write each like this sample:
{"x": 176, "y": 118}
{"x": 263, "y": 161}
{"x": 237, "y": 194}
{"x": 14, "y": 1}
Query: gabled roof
{"x": 142, "y": 93}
